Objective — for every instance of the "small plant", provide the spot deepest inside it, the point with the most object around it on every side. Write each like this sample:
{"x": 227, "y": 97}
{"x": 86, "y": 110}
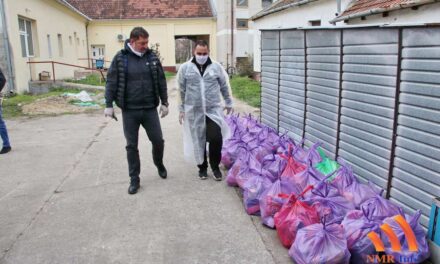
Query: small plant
{"x": 155, "y": 49}
{"x": 245, "y": 66}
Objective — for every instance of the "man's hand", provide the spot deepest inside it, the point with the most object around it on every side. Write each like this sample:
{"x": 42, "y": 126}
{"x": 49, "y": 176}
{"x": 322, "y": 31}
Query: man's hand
{"x": 181, "y": 117}
{"x": 229, "y": 110}
{"x": 163, "y": 111}
{"x": 109, "y": 112}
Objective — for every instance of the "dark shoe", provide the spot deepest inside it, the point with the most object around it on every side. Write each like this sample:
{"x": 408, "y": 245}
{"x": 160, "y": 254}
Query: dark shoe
{"x": 162, "y": 171}
{"x": 5, "y": 150}
{"x": 134, "y": 187}
{"x": 217, "y": 174}
{"x": 203, "y": 174}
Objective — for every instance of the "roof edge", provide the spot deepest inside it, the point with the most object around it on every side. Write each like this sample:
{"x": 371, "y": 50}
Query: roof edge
{"x": 278, "y": 9}
{"x": 381, "y": 10}
{"x": 74, "y": 9}
{"x": 158, "y": 18}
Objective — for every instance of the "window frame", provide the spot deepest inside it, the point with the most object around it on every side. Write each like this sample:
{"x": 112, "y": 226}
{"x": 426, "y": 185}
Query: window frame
{"x": 26, "y": 33}
{"x": 242, "y": 19}
{"x": 242, "y": 6}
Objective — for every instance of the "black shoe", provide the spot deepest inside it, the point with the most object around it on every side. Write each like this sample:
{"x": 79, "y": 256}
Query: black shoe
{"x": 162, "y": 171}
{"x": 133, "y": 188}
{"x": 203, "y": 174}
{"x": 217, "y": 174}
{"x": 5, "y": 150}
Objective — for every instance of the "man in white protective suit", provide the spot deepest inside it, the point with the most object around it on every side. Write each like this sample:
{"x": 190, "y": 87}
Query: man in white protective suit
{"x": 201, "y": 83}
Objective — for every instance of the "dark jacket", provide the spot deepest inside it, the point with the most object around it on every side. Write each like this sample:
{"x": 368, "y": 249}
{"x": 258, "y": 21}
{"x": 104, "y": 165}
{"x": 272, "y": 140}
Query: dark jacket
{"x": 2, "y": 80}
{"x": 135, "y": 82}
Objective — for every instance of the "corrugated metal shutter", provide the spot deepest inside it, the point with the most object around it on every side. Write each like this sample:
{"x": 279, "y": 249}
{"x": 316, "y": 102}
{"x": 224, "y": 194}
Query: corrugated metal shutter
{"x": 270, "y": 56}
{"x": 368, "y": 92}
{"x": 292, "y": 83}
{"x": 323, "y": 74}
{"x": 416, "y": 175}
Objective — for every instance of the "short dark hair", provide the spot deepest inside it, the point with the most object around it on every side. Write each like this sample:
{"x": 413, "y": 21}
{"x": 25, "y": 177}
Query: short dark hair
{"x": 202, "y": 43}
{"x": 138, "y": 32}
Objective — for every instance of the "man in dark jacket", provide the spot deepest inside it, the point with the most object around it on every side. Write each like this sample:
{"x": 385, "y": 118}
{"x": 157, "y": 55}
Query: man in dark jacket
{"x": 136, "y": 83}
{"x": 3, "y": 131}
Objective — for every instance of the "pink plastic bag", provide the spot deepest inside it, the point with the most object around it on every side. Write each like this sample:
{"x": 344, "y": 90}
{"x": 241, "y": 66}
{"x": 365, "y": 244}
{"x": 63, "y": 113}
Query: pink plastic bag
{"x": 294, "y": 215}
{"x": 271, "y": 201}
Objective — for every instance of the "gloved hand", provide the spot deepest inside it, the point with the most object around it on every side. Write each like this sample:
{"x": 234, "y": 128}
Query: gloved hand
{"x": 109, "y": 112}
{"x": 163, "y": 111}
{"x": 181, "y": 117}
{"x": 229, "y": 110}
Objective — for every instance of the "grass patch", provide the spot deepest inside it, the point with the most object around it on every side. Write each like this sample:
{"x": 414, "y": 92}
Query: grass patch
{"x": 92, "y": 79}
{"x": 169, "y": 75}
{"x": 12, "y": 106}
{"x": 247, "y": 90}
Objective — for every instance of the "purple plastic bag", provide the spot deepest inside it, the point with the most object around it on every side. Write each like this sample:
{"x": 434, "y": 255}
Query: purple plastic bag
{"x": 275, "y": 165}
{"x": 357, "y": 225}
{"x": 230, "y": 151}
{"x": 253, "y": 189}
{"x": 271, "y": 202}
{"x": 329, "y": 203}
{"x": 423, "y": 248}
{"x": 320, "y": 243}
{"x": 379, "y": 208}
{"x": 309, "y": 156}
{"x": 300, "y": 180}
{"x": 343, "y": 177}
{"x": 244, "y": 167}
{"x": 357, "y": 193}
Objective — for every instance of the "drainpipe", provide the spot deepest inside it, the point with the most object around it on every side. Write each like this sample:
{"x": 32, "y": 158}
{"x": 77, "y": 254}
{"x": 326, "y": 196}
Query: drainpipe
{"x": 11, "y": 77}
{"x": 87, "y": 44}
{"x": 338, "y": 2}
{"x": 232, "y": 33}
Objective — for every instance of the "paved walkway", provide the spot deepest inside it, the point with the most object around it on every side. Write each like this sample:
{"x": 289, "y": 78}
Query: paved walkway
{"x": 63, "y": 199}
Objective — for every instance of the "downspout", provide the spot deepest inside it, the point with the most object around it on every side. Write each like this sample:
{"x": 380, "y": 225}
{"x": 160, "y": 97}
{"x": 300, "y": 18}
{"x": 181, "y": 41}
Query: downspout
{"x": 232, "y": 33}
{"x": 338, "y": 2}
{"x": 87, "y": 44}
{"x": 11, "y": 77}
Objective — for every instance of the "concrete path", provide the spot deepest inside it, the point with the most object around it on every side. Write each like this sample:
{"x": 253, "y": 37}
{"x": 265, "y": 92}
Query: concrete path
{"x": 63, "y": 199}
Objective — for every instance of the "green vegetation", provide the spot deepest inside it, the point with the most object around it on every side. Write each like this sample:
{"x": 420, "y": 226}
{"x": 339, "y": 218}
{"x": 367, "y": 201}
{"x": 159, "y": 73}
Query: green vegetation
{"x": 95, "y": 79}
{"x": 169, "y": 75}
{"x": 247, "y": 90}
{"x": 92, "y": 79}
{"x": 12, "y": 106}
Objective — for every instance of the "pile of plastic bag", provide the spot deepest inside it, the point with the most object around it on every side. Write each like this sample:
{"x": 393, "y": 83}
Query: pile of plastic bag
{"x": 320, "y": 210}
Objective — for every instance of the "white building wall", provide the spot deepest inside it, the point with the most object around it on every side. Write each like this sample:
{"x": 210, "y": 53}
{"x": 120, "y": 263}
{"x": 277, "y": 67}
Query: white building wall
{"x": 243, "y": 38}
{"x": 292, "y": 18}
{"x": 423, "y": 14}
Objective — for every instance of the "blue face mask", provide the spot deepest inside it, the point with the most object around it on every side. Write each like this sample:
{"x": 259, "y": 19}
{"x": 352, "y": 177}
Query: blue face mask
{"x": 201, "y": 59}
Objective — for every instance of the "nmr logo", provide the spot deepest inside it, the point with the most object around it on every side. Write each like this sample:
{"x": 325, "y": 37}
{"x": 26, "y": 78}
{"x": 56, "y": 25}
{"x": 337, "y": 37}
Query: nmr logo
{"x": 381, "y": 257}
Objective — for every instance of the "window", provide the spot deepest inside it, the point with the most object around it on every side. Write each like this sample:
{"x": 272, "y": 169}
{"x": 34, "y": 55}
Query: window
{"x": 242, "y": 23}
{"x": 60, "y": 45}
{"x": 77, "y": 41}
{"x": 266, "y": 3}
{"x": 70, "y": 40}
{"x": 25, "y": 30}
{"x": 242, "y": 3}
{"x": 315, "y": 23}
{"x": 49, "y": 46}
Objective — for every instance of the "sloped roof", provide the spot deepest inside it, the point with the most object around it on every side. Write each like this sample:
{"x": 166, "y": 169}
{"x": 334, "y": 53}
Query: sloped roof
{"x": 359, "y": 8}
{"x": 280, "y": 5}
{"x": 142, "y": 9}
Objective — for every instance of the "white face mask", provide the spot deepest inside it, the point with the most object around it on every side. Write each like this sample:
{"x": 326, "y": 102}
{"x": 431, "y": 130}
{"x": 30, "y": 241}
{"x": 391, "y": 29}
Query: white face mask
{"x": 201, "y": 59}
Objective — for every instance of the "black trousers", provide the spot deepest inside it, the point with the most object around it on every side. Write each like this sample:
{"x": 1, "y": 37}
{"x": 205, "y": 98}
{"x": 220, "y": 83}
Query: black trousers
{"x": 215, "y": 139}
{"x": 149, "y": 119}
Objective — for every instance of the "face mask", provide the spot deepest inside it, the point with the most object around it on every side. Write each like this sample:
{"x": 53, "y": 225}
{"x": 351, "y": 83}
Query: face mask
{"x": 201, "y": 59}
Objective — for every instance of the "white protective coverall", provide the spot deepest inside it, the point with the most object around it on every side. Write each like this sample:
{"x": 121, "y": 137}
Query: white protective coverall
{"x": 201, "y": 97}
